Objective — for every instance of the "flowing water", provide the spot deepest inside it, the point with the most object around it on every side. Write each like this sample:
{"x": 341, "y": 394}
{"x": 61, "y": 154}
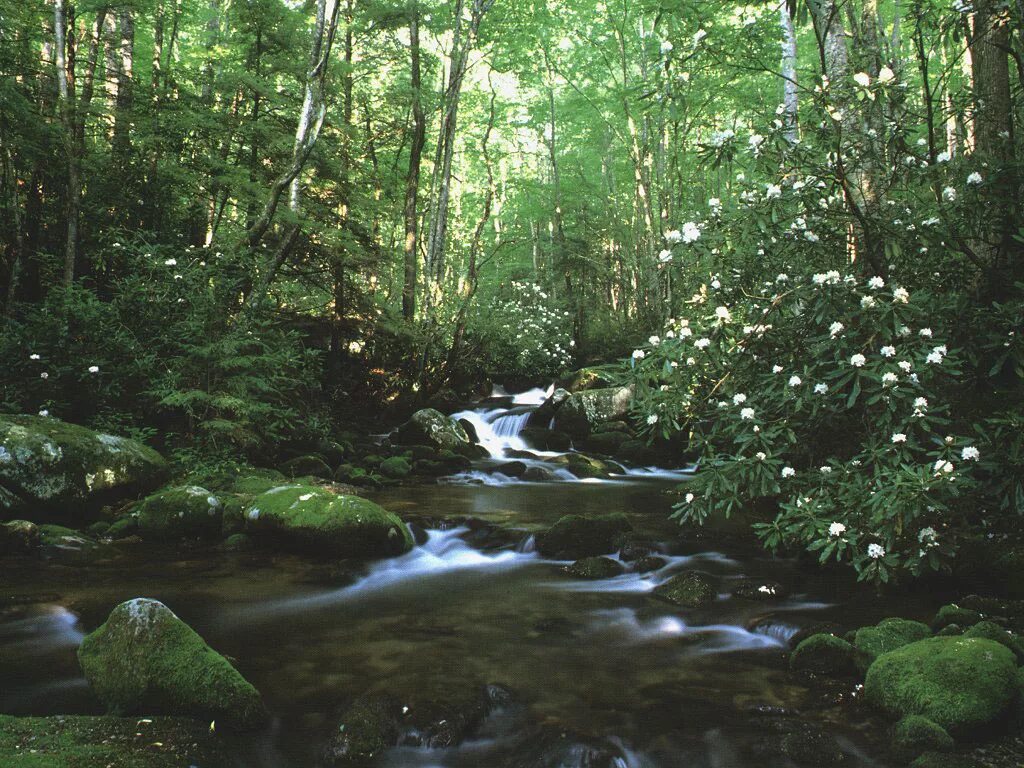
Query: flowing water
{"x": 468, "y": 607}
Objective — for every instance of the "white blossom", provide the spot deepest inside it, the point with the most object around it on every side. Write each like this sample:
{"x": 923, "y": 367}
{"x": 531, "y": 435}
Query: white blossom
{"x": 858, "y": 360}
{"x": 747, "y": 414}
{"x": 739, "y": 398}
{"x": 795, "y": 381}
{"x": 820, "y": 389}
{"x": 888, "y": 351}
{"x": 898, "y": 437}
{"x": 974, "y": 179}
{"x": 970, "y": 453}
{"x": 788, "y": 472}
{"x": 876, "y": 282}
{"x": 836, "y": 529}
{"x": 876, "y": 551}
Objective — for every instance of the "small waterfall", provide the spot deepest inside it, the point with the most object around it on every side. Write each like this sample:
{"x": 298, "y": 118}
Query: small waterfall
{"x": 527, "y": 545}
{"x": 499, "y": 428}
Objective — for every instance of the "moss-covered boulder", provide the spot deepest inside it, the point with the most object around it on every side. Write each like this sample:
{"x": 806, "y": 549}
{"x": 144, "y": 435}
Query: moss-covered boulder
{"x": 308, "y": 518}
{"x": 992, "y": 631}
{"x": 395, "y": 468}
{"x": 594, "y": 377}
{"x": 310, "y": 464}
{"x": 583, "y": 466}
{"x": 595, "y": 568}
{"x": 367, "y": 728}
{"x": 887, "y": 635}
{"x": 18, "y": 537}
{"x": 145, "y": 660}
{"x": 433, "y": 428}
{"x": 690, "y": 590}
{"x": 50, "y": 465}
{"x": 824, "y": 654}
{"x": 78, "y": 741}
{"x": 70, "y": 547}
{"x": 946, "y": 760}
{"x": 183, "y": 511}
{"x": 914, "y": 735}
{"x": 576, "y": 536}
{"x": 582, "y": 411}
{"x": 954, "y": 614}
{"x": 960, "y": 683}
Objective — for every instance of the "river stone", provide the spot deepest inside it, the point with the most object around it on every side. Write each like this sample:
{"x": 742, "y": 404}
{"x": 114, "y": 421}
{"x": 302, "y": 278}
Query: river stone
{"x": 574, "y": 536}
{"x": 887, "y": 635}
{"x": 145, "y": 660}
{"x": 595, "y": 568}
{"x": 954, "y": 614}
{"x": 50, "y": 465}
{"x": 69, "y": 546}
{"x": 915, "y": 734}
{"x": 395, "y": 468}
{"x": 367, "y": 728}
{"x": 184, "y": 511}
{"x": 958, "y": 682}
{"x": 754, "y": 589}
{"x": 314, "y": 519}
{"x": 582, "y": 411}
{"x": 85, "y": 741}
{"x": 18, "y": 537}
{"x": 430, "y": 427}
{"x": 690, "y": 590}
{"x": 553, "y": 747}
{"x": 824, "y": 654}
{"x": 584, "y": 379}
{"x": 582, "y": 466}
{"x": 308, "y": 465}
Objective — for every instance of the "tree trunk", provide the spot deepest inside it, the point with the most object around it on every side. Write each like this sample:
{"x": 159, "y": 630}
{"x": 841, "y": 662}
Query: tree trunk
{"x": 790, "y": 98}
{"x": 412, "y": 179}
{"x": 63, "y": 32}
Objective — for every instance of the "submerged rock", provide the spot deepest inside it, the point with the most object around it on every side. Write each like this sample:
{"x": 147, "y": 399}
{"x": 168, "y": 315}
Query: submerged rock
{"x": 50, "y": 465}
{"x": 824, "y": 654}
{"x": 144, "y": 660}
{"x": 314, "y": 519}
{"x": 552, "y": 747}
{"x": 185, "y": 511}
{"x": 960, "y": 683}
{"x": 690, "y": 590}
{"x": 82, "y": 741}
{"x": 582, "y": 411}
{"x": 595, "y": 568}
{"x": 575, "y": 536}
{"x": 430, "y": 427}
{"x": 367, "y": 728}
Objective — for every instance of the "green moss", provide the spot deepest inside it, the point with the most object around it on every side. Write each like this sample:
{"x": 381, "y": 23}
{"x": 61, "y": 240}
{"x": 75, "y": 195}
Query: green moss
{"x": 254, "y": 482}
{"x": 690, "y": 590}
{"x": 960, "y": 683}
{"x": 824, "y": 654}
{"x": 954, "y": 614}
{"x": 396, "y": 468}
{"x": 186, "y": 511}
{"x": 123, "y": 527}
{"x": 595, "y": 568}
{"x": 915, "y": 734}
{"x": 310, "y": 518}
{"x": 144, "y": 659}
{"x": 368, "y": 727}
{"x": 48, "y": 464}
{"x": 992, "y": 631}
{"x": 67, "y": 741}
{"x": 431, "y": 427}
{"x": 238, "y": 542}
{"x": 311, "y": 465}
{"x": 576, "y": 536}
{"x": 944, "y": 760}
{"x": 887, "y": 635}
{"x": 582, "y": 466}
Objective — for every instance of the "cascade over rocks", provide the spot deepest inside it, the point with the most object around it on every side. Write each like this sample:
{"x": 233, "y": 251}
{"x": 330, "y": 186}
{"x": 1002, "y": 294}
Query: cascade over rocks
{"x": 50, "y": 465}
{"x": 145, "y": 660}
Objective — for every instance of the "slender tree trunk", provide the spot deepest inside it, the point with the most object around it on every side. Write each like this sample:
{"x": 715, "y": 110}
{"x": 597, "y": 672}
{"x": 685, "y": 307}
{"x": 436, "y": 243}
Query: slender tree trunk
{"x": 63, "y": 29}
{"x": 790, "y": 98}
{"x": 412, "y": 179}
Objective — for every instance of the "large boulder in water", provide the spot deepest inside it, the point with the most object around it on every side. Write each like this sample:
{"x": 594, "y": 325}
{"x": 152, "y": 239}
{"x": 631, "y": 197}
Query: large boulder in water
{"x": 145, "y": 660}
{"x": 960, "y": 683}
{"x": 430, "y": 427}
{"x": 48, "y": 464}
{"x": 186, "y": 511}
{"x": 582, "y": 411}
{"x": 313, "y": 519}
{"x": 573, "y": 537}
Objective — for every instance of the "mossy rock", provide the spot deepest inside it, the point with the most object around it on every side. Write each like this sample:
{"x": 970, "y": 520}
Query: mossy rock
{"x": 595, "y": 568}
{"x": 308, "y": 518}
{"x": 310, "y": 464}
{"x": 81, "y": 741}
{"x": 395, "y": 468}
{"x": 145, "y": 660}
{"x": 887, "y": 635}
{"x": 945, "y": 760}
{"x": 954, "y": 614}
{"x": 690, "y": 590}
{"x": 575, "y": 536}
{"x": 605, "y": 443}
{"x": 582, "y": 411}
{"x": 367, "y": 728}
{"x": 433, "y": 428}
{"x": 992, "y": 631}
{"x": 238, "y": 542}
{"x": 961, "y": 683}
{"x": 582, "y": 466}
{"x": 636, "y": 452}
{"x": 180, "y": 512}
{"x": 50, "y": 465}
{"x": 69, "y": 546}
{"x": 596, "y": 377}
{"x": 824, "y": 654}
{"x": 123, "y": 527}
{"x": 18, "y": 537}
{"x": 915, "y": 734}
{"x": 253, "y": 482}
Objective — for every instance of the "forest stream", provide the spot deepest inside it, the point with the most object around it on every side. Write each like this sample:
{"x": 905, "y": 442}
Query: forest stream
{"x": 616, "y": 675}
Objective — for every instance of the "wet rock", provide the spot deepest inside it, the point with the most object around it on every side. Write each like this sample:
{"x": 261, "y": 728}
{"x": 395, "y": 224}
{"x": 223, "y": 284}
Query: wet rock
{"x": 818, "y": 628}
{"x": 811, "y": 746}
{"x": 144, "y": 659}
{"x": 367, "y": 728}
{"x": 82, "y": 741}
{"x": 961, "y": 684}
{"x": 636, "y": 452}
{"x": 595, "y": 568}
{"x": 824, "y": 655}
{"x": 552, "y": 747}
{"x": 395, "y": 468}
{"x": 18, "y": 537}
{"x": 944, "y": 760}
{"x": 307, "y": 465}
{"x": 122, "y": 528}
{"x": 914, "y": 735}
{"x": 515, "y": 453}
{"x": 690, "y": 590}
{"x": 650, "y": 563}
{"x": 512, "y": 469}
{"x": 544, "y": 439}
{"x": 186, "y": 511}
{"x": 887, "y": 635}
{"x": 582, "y": 411}
{"x": 239, "y": 542}
{"x": 419, "y": 534}
{"x": 954, "y": 614}
{"x": 433, "y": 428}
{"x": 69, "y": 546}
{"x": 470, "y": 429}
{"x": 635, "y": 549}
{"x": 605, "y": 443}
{"x": 538, "y": 475}
{"x": 583, "y": 466}
{"x": 50, "y": 465}
{"x": 575, "y": 536}
{"x": 545, "y": 412}
{"x": 313, "y": 519}
{"x": 424, "y": 453}
{"x": 443, "y": 719}
{"x": 584, "y": 379}
{"x": 759, "y": 590}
